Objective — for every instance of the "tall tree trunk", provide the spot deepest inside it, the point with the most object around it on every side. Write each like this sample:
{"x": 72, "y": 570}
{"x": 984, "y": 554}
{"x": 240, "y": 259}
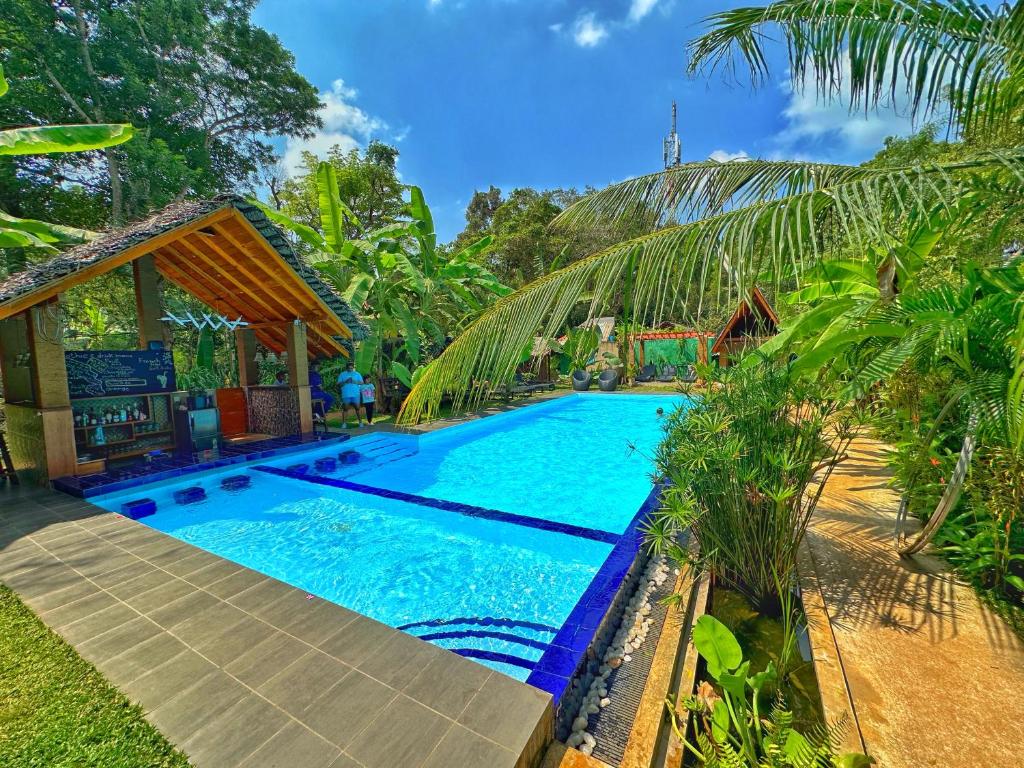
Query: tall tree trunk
{"x": 116, "y": 188}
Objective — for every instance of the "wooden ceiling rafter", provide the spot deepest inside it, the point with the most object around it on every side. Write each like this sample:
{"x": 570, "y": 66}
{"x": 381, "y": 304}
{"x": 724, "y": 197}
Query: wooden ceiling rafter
{"x": 193, "y": 276}
{"x": 295, "y": 279}
{"x": 272, "y": 336}
{"x": 225, "y": 275}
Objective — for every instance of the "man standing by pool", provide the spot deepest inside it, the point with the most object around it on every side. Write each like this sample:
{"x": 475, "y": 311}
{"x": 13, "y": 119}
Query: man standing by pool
{"x": 350, "y": 380}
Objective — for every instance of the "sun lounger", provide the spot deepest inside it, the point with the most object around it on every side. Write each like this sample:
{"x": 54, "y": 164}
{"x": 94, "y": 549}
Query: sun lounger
{"x": 647, "y": 373}
{"x": 668, "y": 374}
{"x": 690, "y": 376}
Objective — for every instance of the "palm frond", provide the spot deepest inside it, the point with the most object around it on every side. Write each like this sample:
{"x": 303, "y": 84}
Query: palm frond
{"x": 779, "y": 236}
{"x": 925, "y": 50}
{"x": 695, "y": 190}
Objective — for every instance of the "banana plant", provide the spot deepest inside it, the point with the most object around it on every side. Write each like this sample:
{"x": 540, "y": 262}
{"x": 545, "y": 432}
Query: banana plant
{"x": 411, "y": 292}
{"x": 50, "y": 139}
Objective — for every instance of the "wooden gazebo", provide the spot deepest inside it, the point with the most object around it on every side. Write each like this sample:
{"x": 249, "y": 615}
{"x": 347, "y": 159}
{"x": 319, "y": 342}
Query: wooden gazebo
{"x": 751, "y": 323}
{"x": 223, "y": 251}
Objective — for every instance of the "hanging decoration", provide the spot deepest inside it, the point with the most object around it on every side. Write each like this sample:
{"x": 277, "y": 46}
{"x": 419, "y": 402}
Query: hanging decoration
{"x": 215, "y": 322}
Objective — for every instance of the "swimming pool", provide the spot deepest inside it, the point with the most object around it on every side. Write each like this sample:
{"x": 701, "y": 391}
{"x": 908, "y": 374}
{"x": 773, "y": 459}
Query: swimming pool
{"x": 487, "y": 538}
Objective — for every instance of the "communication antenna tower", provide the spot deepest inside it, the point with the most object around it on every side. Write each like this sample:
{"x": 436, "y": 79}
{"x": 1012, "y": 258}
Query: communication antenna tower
{"x": 671, "y": 150}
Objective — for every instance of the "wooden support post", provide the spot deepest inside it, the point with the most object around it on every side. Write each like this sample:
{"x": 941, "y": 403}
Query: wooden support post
{"x": 248, "y": 368}
{"x": 298, "y": 373}
{"x": 42, "y": 429}
{"x": 148, "y": 304}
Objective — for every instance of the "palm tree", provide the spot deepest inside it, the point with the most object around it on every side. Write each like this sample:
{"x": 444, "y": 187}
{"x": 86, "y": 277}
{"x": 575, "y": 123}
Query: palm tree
{"x": 729, "y": 224}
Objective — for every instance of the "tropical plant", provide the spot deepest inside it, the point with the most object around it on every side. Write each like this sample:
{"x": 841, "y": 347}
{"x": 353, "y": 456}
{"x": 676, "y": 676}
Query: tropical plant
{"x": 731, "y": 727}
{"x": 50, "y": 139}
{"x": 412, "y": 292}
{"x": 747, "y": 465}
{"x": 731, "y": 223}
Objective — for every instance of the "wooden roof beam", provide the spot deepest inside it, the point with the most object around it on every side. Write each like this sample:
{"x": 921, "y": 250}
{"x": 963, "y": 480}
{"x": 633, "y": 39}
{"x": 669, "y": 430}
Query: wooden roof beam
{"x": 104, "y": 265}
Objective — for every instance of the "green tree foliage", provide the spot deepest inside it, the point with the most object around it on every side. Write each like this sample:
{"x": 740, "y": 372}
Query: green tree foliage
{"x": 525, "y": 246}
{"x": 367, "y": 183}
{"x": 412, "y": 293}
{"x": 199, "y": 82}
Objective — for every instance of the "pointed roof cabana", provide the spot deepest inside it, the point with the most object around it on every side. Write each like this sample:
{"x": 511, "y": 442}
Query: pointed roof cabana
{"x": 223, "y": 251}
{"x": 751, "y": 321}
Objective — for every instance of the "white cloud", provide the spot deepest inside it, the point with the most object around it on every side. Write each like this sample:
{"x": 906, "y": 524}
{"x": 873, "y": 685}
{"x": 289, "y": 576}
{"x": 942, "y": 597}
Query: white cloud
{"x": 640, "y": 8}
{"x": 587, "y": 31}
{"x": 433, "y": 3}
{"x": 723, "y": 156}
{"x": 345, "y": 125}
{"x": 556, "y": 28}
{"x": 827, "y": 127}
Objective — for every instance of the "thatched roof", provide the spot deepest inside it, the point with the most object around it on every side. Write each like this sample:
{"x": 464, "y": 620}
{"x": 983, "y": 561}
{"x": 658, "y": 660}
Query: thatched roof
{"x": 45, "y": 278}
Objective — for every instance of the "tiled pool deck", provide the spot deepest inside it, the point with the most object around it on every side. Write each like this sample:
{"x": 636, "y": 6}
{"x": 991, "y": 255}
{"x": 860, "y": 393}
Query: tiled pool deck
{"x": 238, "y": 669}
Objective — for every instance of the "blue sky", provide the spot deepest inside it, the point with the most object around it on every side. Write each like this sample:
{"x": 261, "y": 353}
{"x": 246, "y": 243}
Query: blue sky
{"x": 541, "y": 93}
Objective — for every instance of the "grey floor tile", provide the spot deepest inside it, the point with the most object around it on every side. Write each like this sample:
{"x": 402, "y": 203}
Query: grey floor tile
{"x": 129, "y": 571}
{"x": 213, "y": 572}
{"x": 462, "y": 747}
{"x": 197, "y": 560}
{"x": 231, "y": 641}
{"x": 404, "y": 734}
{"x": 102, "y": 563}
{"x": 297, "y": 686}
{"x": 506, "y": 711}
{"x": 169, "y": 590}
{"x": 60, "y": 597}
{"x": 227, "y": 740}
{"x": 79, "y": 609}
{"x": 211, "y": 621}
{"x": 36, "y": 574}
{"x": 117, "y": 641}
{"x": 186, "y": 713}
{"x": 448, "y": 683}
{"x": 400, "y": 659}
{"x": 257, "y": 598}
{"x": 149, "y": 578}
{"x": 98, "y": 624}
{"x": 343, "y": 711}
{"x": 358, "y": 640}
{"x": 294, "y": 746}
{"x": 238, "y": 582}
{"x": 127, "y": 667}
{"x": 344, "y": 761}
{"x": 171, "y": 678}
{"x": 182, "y": 609}
{"x": 311, "y": 619}
{"x": 171, "y": 553}
{"x": 265, "y": 660}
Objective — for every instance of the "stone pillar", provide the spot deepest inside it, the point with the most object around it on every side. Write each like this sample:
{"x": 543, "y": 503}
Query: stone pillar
{"x": 148, "y": 296}
{"x": 248, "y": 368}
{"x": 298, "y": 373}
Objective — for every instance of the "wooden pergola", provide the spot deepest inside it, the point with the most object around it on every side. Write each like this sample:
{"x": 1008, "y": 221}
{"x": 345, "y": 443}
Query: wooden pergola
{"x": 225, "y": 252}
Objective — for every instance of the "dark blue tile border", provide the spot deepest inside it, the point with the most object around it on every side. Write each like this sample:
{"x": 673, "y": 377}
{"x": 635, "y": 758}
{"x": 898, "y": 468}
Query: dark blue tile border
{"x": 448, "y": 506}
{"x": 475, "y": 653}
{"x": 568, "y": 650}
{"x": 167, "y": 468}
{"x": 482, "y": 621}
{"x": 484, "y": 634}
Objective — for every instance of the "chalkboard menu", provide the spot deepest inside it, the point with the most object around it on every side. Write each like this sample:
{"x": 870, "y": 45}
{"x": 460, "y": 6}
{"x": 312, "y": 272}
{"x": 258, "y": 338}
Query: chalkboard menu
{"x": 121, "y": 372}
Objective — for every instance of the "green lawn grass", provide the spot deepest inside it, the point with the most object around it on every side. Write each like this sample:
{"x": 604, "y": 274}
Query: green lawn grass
{"x": 57, "y": 711}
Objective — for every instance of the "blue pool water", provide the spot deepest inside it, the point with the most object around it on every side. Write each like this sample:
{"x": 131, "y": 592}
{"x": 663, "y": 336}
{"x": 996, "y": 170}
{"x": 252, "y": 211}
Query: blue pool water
{"x": 484, "y": 579}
